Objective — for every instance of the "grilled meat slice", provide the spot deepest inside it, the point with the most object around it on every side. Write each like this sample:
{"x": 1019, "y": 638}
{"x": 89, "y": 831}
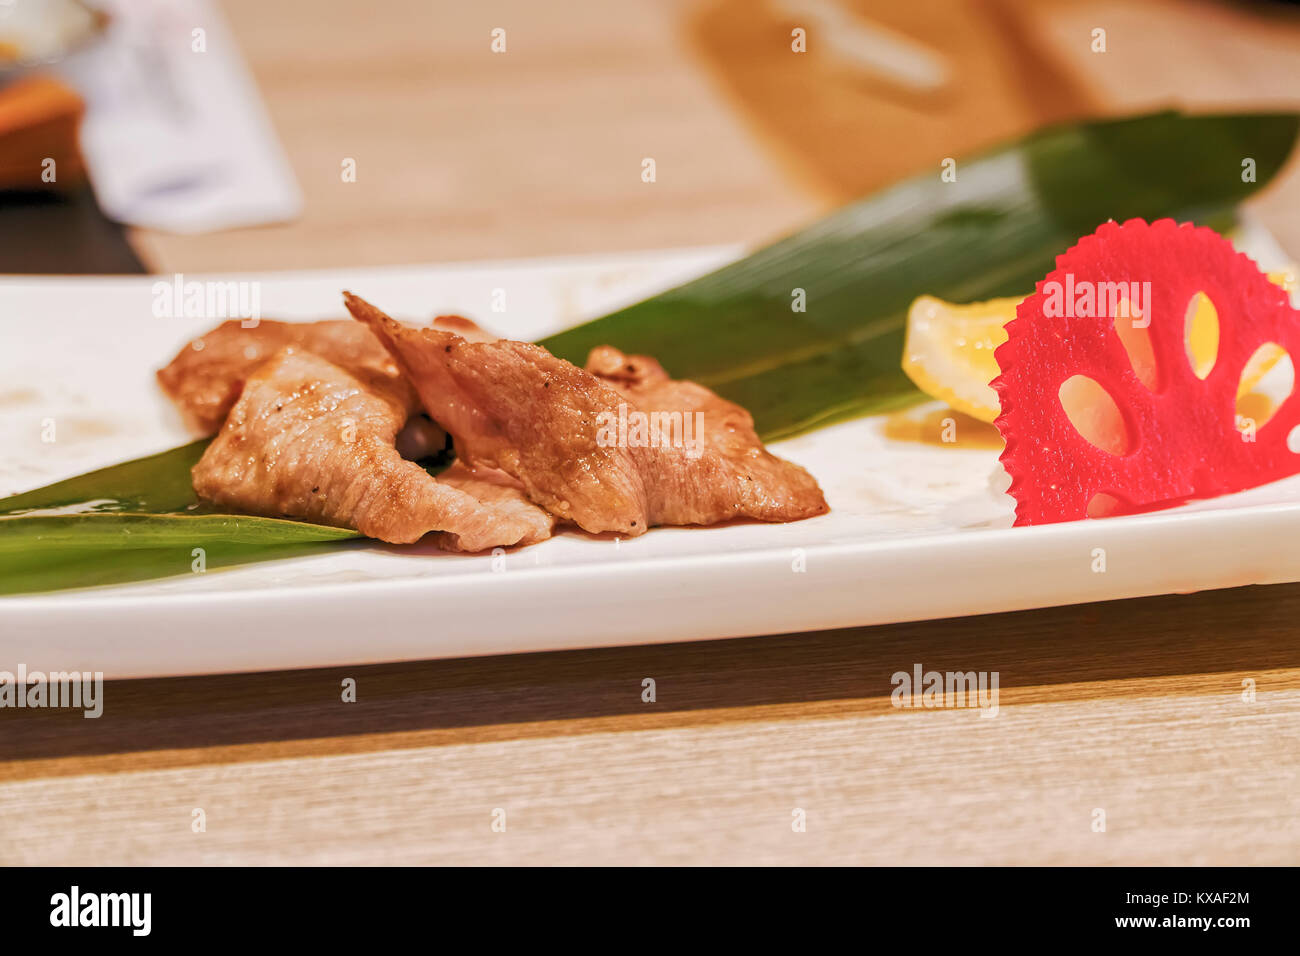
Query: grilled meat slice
{"x": 500, "y": 497}
{"x": 206, "y": 376}
{"x": 560, "y": 430}
{"x": 722, "y": 469}
{"x": 308, "y": 439}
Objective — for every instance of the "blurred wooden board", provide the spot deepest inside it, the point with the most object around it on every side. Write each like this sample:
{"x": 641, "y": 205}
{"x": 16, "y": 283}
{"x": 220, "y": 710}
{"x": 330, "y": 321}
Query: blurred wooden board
{"x": 1131, "y": 707}
{"x": 49, "y": 221}
{"x": 61, "y": 233}
{"x": 463, "y": 153}
{"x": 1191, "y": 54}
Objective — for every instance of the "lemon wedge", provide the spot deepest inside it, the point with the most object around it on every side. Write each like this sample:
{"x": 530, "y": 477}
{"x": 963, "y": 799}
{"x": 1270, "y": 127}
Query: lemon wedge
{"x": 948, "y": 352}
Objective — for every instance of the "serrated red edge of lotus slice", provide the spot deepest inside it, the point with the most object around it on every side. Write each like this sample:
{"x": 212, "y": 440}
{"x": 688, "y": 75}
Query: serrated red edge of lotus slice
{"x": 1184, "y": 439}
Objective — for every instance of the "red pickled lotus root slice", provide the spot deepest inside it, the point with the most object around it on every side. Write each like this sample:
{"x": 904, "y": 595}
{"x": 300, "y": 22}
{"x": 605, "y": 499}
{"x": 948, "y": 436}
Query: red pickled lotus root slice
{"x": 1183, "y": 440}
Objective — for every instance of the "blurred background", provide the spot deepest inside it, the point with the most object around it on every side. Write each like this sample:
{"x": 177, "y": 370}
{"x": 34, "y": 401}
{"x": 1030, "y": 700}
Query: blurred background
{"x": 197, "y": 135}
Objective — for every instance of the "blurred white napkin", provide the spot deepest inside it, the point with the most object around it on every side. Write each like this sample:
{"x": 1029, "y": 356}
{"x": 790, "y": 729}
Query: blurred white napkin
{"x": 176, "y": 138}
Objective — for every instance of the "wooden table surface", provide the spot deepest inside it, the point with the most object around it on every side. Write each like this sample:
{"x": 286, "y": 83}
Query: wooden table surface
{"x": 1140, "y": 709}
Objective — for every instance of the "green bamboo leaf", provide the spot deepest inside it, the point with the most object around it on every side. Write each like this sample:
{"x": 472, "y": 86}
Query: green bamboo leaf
{"x": 156, "y": 484}
{"x": 42, "y": 553}
{"x": 136, "y": 521}
{"x": 995, "y": 231}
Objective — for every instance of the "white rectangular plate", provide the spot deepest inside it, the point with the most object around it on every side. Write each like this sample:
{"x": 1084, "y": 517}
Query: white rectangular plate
{"x": 916, "y": 529}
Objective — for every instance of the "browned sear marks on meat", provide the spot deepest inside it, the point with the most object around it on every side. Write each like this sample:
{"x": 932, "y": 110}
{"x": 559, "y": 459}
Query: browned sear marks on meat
{"x": 308, "y": 439}
{"x": 515, "y": 407}
{"x": 727, "y": 474}
{"x": 206, "y": 376}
